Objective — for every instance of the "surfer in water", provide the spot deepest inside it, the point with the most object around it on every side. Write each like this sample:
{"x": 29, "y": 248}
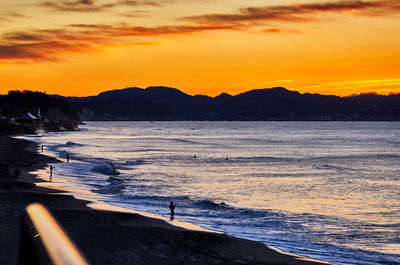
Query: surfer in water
{"x": 172, "y": 208}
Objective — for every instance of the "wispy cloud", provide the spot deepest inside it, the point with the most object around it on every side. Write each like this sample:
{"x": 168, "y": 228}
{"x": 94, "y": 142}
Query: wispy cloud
{"x": 11, "y": 15}
{"x": 50, "y": 45}
{"x": 135, "y": 13}
{"x": 347, "y": 88}
{"x": 362, "y": 83}
{"x": 300, "y": 12}
{"x": 15, "y": 14}
{"x": 98, "y": 6}
{"x": 93, "y": 5}
{"x": 36, "y": 51}
{"x": 278, "y": 30}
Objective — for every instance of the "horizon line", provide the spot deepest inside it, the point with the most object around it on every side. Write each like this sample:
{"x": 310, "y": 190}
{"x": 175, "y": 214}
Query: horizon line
{"x": 198, "y": 94}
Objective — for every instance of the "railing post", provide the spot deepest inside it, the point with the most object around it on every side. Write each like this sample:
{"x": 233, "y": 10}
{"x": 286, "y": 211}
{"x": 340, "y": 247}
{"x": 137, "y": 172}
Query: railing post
{"x": 44, "y": 242}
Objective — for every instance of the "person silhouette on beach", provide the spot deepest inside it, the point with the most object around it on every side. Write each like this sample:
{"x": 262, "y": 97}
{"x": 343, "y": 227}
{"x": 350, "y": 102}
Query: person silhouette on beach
{"x": 42, "y": 148}
{"x": 67, "y": 158}
{"x": 51, "y": 172}
{"x": 172, "y": 208}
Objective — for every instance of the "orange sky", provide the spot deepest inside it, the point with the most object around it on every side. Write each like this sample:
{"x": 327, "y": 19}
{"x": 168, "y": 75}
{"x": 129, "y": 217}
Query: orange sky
{"x": 83, "y": 47}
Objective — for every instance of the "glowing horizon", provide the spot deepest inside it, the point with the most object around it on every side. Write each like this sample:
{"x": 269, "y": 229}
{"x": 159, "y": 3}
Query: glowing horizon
{"x": 85, "y": 47}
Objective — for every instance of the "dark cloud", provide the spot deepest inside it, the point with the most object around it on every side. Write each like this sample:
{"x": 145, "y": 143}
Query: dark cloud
{"x": 300, "y": 12}
{"x": 52, "y": 44}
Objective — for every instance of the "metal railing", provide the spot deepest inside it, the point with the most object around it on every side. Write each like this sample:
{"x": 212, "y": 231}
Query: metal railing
{"x": 43, "y": 241}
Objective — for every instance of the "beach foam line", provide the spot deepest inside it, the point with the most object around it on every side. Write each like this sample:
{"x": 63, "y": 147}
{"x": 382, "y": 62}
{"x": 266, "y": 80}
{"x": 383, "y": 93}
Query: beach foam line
{"x": 100, "y": 202}
{"x": 97, "y": 202}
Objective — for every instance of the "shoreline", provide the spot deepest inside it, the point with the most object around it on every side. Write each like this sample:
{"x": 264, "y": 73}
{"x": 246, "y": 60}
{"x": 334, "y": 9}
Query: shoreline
{"x": 106, "y": 236}
{"x": 94, "y": 200}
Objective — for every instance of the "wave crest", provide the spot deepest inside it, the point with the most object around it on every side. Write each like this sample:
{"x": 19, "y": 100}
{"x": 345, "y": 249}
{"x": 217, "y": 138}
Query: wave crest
{"x": 106, "y": 169}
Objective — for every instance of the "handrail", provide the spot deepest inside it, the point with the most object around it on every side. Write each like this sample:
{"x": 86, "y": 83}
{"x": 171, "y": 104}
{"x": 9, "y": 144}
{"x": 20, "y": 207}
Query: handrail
{"x": 43, "y": 241}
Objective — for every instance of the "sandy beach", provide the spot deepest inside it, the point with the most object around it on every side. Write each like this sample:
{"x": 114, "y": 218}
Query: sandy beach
{"x": 107, "y": 237}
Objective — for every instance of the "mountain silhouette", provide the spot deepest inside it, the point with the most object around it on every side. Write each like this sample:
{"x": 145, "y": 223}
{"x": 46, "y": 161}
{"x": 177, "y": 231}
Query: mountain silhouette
{"x": 278, "y": 103}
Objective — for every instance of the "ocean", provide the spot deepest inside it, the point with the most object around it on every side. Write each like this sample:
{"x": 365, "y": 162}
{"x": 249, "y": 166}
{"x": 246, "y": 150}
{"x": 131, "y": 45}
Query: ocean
{"x": 324, "y": 190}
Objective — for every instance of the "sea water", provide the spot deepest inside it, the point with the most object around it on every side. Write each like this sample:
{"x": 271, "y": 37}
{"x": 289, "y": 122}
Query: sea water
{"x": 325, "y": 190}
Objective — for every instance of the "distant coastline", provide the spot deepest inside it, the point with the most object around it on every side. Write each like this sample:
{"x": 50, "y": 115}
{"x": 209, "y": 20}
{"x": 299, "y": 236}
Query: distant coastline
{"x": 274, "y": 104}
{"x": 170, "y": 104}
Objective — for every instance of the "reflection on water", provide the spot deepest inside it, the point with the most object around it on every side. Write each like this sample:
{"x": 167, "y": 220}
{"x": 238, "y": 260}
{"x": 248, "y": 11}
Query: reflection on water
{"x": 329, "y": 190}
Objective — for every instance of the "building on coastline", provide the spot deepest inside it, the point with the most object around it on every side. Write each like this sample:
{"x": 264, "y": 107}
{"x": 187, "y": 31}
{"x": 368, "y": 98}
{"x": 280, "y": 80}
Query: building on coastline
{"x": 27, "y": 117}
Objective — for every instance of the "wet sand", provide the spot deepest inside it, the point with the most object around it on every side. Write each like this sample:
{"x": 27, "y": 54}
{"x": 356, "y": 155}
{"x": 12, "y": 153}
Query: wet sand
{"x": 111, "y": 237}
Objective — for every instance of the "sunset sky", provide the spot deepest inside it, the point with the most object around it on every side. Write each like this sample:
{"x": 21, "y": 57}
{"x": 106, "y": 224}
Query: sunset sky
{"x": 83, "y": 47}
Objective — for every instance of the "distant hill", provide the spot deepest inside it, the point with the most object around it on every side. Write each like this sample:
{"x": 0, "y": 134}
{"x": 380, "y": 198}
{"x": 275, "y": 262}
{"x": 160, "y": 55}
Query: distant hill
{"x": 164, "y": 103}
{"x": 28, "y": 112}
{"x": 17, "y": 103}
